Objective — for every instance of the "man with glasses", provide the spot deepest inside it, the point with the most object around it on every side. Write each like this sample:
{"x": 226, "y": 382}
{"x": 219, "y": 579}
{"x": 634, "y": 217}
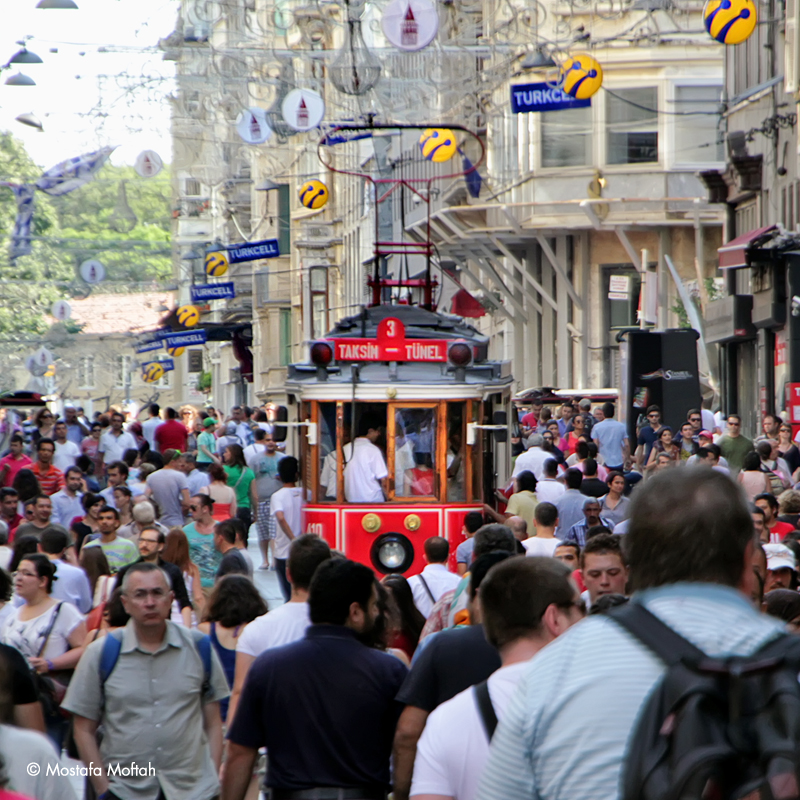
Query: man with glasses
{"x": 733, "y": 445}
{"x": 165, "y": 734}
{"x": 648, "y": 436}
{"x": 695, "y": 419}
{"x": 151, "y": 544}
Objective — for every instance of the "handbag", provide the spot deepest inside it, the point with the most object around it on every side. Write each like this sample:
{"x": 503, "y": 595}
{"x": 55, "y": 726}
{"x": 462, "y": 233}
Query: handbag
{"x": 51, "y": 691}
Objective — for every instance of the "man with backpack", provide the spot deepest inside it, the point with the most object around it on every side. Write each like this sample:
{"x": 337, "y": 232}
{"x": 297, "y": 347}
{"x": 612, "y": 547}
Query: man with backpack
{"x": 593, "y": 713}
{"x": 525, "y": 604}
{"x": 155, "y": 688}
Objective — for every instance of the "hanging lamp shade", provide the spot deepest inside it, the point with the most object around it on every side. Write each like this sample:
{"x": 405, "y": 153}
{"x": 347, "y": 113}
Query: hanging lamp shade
{"x": 356, "y": 69}
{"x": 18, "y": 79}
{"x": 31, "y": 120}
{"x": 57, "y": 4}
{"x": 25, "y": 56}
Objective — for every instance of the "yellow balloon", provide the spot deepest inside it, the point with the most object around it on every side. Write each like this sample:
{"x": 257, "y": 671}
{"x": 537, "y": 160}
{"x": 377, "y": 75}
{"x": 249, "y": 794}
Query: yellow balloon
{"x": 153, "y": 372}
{"x": 583, "y": 76}
{"x": 176, "y": 351}
{"x": 216, "y": 264}
{"x": 438, "y": 144}
{"x": 188, "y": 316}
{"x": 313, "y": 194}
{"x": 730, "y": 21}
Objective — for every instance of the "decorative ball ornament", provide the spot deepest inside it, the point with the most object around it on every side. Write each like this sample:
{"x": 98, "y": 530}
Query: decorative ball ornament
{"x": 61, "y": 310}
{"x": 92, "y": 271}
{"x": 313, "y": 194}
{"x": 303, "y": 109}
{"x": 176, "y": 351}
{"x": 216, "y": 264}
{"x": 152, "y": 372}
{"x": 148, "y": 164}
{"x": 252, "y": 125}
{"x": 188, "y": 316}
{"x": 583, "y": 76}
{"x": 438, "y": 144}
{"x": 410, "y": 24}
{"x": 730, "y": 21}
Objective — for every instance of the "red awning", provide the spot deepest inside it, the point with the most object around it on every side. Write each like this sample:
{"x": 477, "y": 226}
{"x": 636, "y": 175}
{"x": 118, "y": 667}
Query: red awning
{"x": 465, "y": 305}
{"x": 734, "y": 254}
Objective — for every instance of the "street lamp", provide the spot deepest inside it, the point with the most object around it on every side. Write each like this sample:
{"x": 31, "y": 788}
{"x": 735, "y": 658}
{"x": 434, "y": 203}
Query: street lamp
{"x": 31, "y": 120}
{"x": 20, "y": 80}
{"x": 25, "y": 56}
{"x": 63, "y": 4}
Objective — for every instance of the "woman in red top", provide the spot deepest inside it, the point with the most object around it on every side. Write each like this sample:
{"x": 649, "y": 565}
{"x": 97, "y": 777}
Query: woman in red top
{"x": 421, "y": 481}
{"x": 405, "y": 620}
{"x": 571, "y": 439}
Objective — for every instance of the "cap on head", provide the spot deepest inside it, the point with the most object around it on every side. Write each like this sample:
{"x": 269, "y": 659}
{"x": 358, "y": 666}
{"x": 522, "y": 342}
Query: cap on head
{"x": 208, "y": 422}
{"x": 779, "y": 556}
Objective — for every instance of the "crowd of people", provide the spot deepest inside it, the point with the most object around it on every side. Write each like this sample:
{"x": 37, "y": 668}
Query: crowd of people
{"x": 133, "y": 636}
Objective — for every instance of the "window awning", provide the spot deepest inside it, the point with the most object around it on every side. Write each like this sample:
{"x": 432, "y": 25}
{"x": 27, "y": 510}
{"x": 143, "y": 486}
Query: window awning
{"x": 733, "y": 255}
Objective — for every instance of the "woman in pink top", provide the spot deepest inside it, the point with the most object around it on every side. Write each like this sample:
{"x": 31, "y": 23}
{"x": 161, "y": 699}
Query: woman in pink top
{"x": 752, "y": 479}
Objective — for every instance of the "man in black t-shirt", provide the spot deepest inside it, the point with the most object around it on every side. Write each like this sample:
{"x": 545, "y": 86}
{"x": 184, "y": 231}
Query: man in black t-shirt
{"x": 27, "y": 712}
{"x": 591, "y": 485}
{"x": 451, "y": 661}
{"x": 233, "y": 562}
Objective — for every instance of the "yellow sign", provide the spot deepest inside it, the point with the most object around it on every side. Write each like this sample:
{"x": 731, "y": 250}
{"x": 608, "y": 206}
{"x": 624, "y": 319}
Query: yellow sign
{"x": 313, "y": 194}
{"x": 189, "y": 316}
{"x": 216, "y": 264}
{"x": 153, "y": 372}
{"x": 176, "y": 351}
{"x": 438, "y": 144}
{"x": 730, "y": 21}
{"x": 583, "y": 76}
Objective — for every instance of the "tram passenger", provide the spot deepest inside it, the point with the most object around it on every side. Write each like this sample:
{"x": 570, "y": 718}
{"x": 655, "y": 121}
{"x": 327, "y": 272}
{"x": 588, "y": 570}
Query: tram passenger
{"x": 421, "y": 480}
{"x": 365, "y": 473}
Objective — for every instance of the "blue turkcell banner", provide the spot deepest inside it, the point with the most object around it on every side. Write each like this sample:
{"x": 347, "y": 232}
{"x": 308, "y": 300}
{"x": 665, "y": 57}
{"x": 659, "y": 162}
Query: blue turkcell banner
{"x": 534, "y": 97}
{"x": 251, "y": 251}
{"x": 147, "y": 346}
{"x": 184, "y": 339}
{"x": 213, "y": 291}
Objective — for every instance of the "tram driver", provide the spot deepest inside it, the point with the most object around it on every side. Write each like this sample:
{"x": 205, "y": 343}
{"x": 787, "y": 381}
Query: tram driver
{"x": 365, "y": 472}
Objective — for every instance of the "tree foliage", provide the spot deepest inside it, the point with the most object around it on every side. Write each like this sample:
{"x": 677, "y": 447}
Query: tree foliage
{"x": 131, "y": 239}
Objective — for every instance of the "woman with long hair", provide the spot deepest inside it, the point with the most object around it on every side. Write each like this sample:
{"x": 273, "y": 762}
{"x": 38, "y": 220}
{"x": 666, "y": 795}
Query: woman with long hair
{"x": 114, "y": 616}
{"x": 176, "y": 551}
{"x": 101, "y": 581}
{"x": 26, "y": 486}
{"x": 234, "y": 601}
{"x": 45, "y": 426}
{"x": 408, "y": 621}
{"x": 23, "y": 546}
{"x": 663, "y": 444}
{"x": 48, "y": 632}
{"x": 787, "y": 449}
{"x": 90, "y": 523}
{"x": 224, "y": 496}
{"x": 123, "y": 498}
{"x": 571, "y": 439}
{"x": 751, "y": 478}
{"x": 240, "y": 476}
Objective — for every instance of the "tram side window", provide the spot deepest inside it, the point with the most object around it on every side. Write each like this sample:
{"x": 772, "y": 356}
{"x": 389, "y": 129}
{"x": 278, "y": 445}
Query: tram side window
{"x": 364, "y": 466}
{"x": 456, "y": 454}
{"x": 415, "y": 452}
{"x": 327, "y": 452}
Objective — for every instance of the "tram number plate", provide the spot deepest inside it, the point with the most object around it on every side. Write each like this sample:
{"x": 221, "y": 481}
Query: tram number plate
{"x": 314, "y": 528}
{"x": 390, "y": 350}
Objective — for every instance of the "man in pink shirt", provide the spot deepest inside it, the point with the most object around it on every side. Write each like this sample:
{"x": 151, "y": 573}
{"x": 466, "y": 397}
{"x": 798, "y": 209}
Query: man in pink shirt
{"x": 16, "y": 460}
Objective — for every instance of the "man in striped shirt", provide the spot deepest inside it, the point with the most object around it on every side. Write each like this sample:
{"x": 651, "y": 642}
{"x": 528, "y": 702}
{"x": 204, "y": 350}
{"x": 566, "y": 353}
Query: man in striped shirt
{"x": 50, "y": 478}
{"x": 566, "y": 731}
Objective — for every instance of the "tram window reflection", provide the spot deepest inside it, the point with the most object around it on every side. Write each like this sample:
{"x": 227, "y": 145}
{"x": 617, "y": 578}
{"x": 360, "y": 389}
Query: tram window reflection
{"x": 415, "y": 452}
{"x": 456, "y": 454}
{"x": 327, "y": 451}
{"x": 365, "y": 471}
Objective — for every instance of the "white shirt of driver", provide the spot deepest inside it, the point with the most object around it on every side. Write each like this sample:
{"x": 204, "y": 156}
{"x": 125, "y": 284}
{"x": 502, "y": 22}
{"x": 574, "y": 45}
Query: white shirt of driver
{"x": 454, "y": 746}
{"x": 284, "y": 625}
{"x": 363, "y": 473}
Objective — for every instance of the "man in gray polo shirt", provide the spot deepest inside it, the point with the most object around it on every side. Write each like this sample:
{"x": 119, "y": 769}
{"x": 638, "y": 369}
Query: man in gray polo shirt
{"x": 159, "y": 709}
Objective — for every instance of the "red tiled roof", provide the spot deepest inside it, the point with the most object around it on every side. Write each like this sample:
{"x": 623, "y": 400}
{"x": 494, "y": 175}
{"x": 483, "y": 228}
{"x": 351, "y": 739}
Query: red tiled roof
{"x": 120, "y": 313}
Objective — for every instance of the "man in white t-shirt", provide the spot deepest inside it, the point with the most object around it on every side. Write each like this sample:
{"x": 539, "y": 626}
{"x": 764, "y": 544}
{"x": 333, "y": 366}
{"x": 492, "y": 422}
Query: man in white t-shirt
{"x": 115, "y": 441}
{"x": 286, "y": 505}
{"x": 286, "y": 623}
{"x": 365, "y": 473}
{"x": 544, "y": 542}
{"x": 542, "y": 600}
{"x": 435, "y": 579}
{"x": 151, "y": 423}
{"x": 253, "y": 452}
{"x": 66, "y": 451}
{"x": 548, "y": 489}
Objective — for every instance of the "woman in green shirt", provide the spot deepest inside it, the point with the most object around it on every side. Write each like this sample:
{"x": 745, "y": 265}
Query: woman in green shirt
{"x": 240, "y": 476}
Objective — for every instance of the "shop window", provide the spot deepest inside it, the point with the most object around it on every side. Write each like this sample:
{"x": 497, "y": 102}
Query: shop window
{"x": 632, "y": 125}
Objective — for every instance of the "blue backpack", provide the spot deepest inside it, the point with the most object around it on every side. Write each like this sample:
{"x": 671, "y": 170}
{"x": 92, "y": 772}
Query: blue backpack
{"x": 112, "y": 646}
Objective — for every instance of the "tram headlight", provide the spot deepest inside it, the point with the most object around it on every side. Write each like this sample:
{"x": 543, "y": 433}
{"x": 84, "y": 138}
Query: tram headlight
{"x": 392, "y": 553}
{"x": 321, "y": 354}
{"x": 459, "y": 354}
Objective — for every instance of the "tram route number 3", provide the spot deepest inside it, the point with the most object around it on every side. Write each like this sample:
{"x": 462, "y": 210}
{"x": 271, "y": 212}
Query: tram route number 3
{"x": 391, "y": 345}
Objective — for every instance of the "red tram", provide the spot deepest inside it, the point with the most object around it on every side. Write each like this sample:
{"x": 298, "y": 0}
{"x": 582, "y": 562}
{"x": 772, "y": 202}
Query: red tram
{"x": 426, "y": 379}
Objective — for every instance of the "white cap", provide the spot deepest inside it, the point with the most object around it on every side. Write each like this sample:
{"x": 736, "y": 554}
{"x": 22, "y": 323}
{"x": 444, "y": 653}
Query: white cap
{"x": 779, "y": 556}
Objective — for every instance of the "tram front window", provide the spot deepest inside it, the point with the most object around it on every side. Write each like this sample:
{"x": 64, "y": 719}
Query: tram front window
{"x": 327, "y": 451}
{"x": 365, "y": 472}
{"x": 415, "y": 452}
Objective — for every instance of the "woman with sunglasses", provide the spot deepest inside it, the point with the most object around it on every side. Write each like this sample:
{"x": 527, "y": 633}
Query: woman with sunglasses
{"x": 788, "y": 449}
{"x": 45, "y": 426}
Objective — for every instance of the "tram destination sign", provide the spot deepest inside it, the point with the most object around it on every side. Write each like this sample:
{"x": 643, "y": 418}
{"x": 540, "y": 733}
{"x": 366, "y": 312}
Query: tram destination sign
{"x": 378, "y": 350}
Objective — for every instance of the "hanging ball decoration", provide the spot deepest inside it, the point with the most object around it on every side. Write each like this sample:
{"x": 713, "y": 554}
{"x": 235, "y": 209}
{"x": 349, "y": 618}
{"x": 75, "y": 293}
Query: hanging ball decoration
{"x": 583, "y": 76}
{"x": 730, "y": 21}
{"x": 313, "y": 194}
{"x": 176, "y": 351}
{"x": 152, "y": 372}
{"x": 216, "y": 264}
{"x": 188, "y": 316}
{"x": 438, "y": 144}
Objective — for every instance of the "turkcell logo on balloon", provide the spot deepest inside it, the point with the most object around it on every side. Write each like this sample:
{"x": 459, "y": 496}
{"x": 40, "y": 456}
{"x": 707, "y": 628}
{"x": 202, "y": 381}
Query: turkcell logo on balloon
{"x": 536, "y": 97}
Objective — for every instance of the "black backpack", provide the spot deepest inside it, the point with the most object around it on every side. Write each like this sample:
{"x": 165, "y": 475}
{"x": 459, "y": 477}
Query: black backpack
{"x": 714, "y": 729}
